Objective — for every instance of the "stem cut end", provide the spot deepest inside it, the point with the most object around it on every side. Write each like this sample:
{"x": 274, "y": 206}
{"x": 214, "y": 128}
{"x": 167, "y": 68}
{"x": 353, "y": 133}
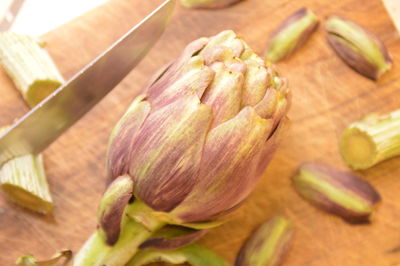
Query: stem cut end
{"x": 26, "y": 199}
{"x": 357, "y": 148}
{"x": 39, "y": 90}
{"x": 371, "y": 140}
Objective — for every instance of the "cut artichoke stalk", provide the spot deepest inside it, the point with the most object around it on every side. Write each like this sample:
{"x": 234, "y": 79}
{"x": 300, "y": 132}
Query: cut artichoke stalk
{"x": 193, "y": 254}
{"x": 29, "y": 66}
{"x": 189, "y": 150}
{"x": 371, "y": 140}
{"x": 36, "y": 76}
{"x": 23, "y": 180}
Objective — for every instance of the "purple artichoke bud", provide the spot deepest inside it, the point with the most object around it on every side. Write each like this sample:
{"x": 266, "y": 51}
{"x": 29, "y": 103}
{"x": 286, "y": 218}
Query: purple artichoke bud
{"x": 199, "y": 139}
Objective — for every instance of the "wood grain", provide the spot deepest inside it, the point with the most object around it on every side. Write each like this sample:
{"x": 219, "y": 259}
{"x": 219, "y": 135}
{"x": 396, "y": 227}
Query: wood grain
{"x": 327, "y": 95}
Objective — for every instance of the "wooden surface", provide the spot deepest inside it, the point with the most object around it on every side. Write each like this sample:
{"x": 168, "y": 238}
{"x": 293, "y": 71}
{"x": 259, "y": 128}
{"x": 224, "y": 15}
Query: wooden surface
{"x": 327, "y": 95}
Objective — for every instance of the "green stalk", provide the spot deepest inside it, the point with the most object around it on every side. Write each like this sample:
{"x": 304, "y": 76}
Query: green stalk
{"x": 29, "y": 66}
{"x": 193, "y": 254}
{"x": 23, "y": 180}
{"x": 371, "y": 140}
{"x": 95, "y": 252}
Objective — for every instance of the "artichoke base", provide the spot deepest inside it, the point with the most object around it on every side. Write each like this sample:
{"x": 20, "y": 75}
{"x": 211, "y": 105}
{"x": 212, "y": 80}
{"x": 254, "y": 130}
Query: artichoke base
{"x": 96, "y": 252}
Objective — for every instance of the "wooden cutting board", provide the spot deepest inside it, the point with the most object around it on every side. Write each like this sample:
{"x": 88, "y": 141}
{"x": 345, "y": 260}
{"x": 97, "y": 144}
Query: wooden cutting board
{"x": 327, "y": 95}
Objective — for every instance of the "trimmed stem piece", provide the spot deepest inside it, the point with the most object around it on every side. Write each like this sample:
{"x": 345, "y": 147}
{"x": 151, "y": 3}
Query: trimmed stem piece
{"x": 193, "y": 254}
{"x": 371, "y": 140}
{"x": 29, "y": 66}
{"x": 96, "y": 252}
{"x": 23, "y": 180}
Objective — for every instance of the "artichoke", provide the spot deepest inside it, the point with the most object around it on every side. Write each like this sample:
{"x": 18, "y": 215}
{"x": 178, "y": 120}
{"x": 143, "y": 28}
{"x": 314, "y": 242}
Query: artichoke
{"x": 191, "y": 148}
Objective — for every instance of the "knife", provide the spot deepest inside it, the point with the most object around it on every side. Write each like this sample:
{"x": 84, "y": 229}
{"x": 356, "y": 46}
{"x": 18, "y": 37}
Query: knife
{"x": 10, "y": 14}
{"x": 393, "y": 8}
{"x": 60, "y": 110}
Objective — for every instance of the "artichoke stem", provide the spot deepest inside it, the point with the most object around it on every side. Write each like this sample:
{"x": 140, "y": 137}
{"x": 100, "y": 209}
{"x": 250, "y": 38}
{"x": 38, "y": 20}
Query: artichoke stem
{"x": 29, "y": 66}
{"x": 95, "y": 252}
{"x": 371, "y": 140}
{"x": 192, "y": 254}
{"x": 24, "y": 181}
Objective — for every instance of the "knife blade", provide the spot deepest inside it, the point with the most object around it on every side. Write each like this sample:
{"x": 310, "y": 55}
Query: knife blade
{"x": 10, "y": 14}
{"x": 393, "y": 8}
{"x": 49, "y": 119}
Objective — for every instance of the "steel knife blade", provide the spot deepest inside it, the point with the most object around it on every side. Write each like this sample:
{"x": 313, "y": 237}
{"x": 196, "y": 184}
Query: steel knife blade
{"x": 37, "y": 129}
{"x": 393, "y": 8}
{"x": 10, "y": 14}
